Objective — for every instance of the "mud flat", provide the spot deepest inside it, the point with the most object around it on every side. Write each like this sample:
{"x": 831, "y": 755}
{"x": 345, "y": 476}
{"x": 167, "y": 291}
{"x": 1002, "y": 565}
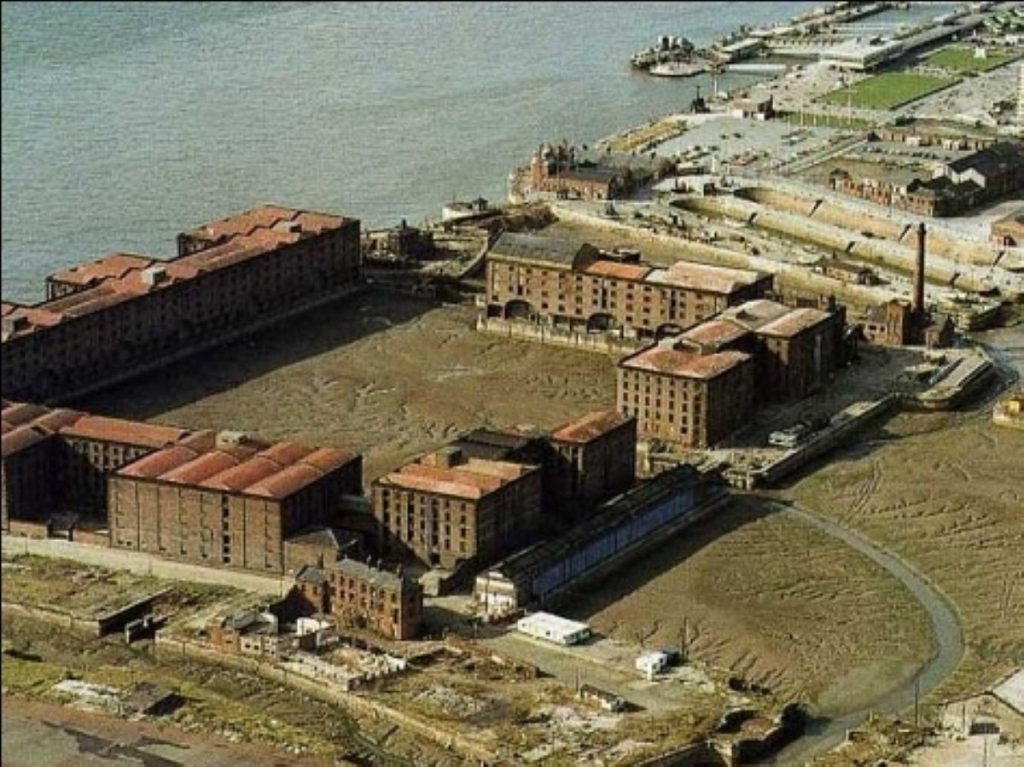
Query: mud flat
{"x": 386, "y": 377}
{"x": 775, "y": 600}
{"x": 939, "y": 490}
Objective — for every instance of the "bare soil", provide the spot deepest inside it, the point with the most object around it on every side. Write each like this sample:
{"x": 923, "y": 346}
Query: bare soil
{"x": 945, "y": 492}
{"x": 386, "y": 377}
{"x": 779, "y": 603}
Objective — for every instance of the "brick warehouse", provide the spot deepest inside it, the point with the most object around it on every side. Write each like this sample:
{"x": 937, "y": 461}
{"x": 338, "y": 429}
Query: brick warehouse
{"x": 697, "y": 388}
{"x": 230, "y": 503}
{"x": 541, "y": 279}
{"x": 58, "y": 460}
{"x": 125, "y": 313}
{"x": 592, "y": 458}
{"x": 361, "y": 596}
{"x": 446, "y": 509}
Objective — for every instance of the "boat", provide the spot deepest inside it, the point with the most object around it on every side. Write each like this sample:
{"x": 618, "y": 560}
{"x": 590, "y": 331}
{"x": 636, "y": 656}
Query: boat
{"x": 668, "y": 48}
{"x": 677, "y": 69}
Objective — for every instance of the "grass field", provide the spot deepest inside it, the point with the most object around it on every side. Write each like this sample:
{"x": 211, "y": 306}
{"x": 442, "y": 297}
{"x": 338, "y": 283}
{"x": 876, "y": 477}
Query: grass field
{"x": 888, "y": 90}
{"x": 960, "y": 59}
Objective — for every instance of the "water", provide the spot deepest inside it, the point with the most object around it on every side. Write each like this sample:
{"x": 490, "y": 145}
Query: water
{"x": 125, "y": 124}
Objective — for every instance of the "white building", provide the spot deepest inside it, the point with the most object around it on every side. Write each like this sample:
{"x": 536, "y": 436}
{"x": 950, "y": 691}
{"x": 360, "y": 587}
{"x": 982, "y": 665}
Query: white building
{"x": 652, "y": 663}
{"x": 553, "y": 628}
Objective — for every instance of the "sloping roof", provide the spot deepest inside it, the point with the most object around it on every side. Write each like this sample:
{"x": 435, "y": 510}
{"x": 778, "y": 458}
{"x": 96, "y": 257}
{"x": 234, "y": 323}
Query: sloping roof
{"x": 715, "y": 333}
{"x": 112, "y": 265}
{"x": 754, "y": 314}
{"x": 369, "y": 575}
{"x": 619, "y": 270}
{"x": 590, "y": 427}
{"x": 704, "y": 277}
{"x": 264, "y": 217}
{"x": 252, "y": 468}
{"x": 537, "y": 249}
{"x": 684, "y": 363}
{"x": 101, "y": 428}
{"x": 796, "y": 321}
{"x": 472, "y": 480}
{"x": 1001, "y": 157}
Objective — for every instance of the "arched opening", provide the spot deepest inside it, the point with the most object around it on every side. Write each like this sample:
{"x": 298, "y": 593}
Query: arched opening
{"x": 517, "y": 309}
{"x": 597, "y": 323}
{"x": 667, "y": 329}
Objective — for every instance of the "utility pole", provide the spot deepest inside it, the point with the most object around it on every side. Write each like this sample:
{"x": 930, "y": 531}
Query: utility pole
{"x": 917, "y": 700}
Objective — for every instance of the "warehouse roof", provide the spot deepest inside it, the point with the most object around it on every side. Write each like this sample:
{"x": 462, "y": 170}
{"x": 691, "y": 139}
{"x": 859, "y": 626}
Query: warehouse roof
{"x": 754, "y": 314}
{"x": 264, "y": 217}
{"x": 254, "y": 468}
{"x": 97, "y": 427}
{"x": 715, "y": 333}
{"x": 794, "y": 322}
{"x": 684, "y": 363}
{"x": 617, "y": 269}
{"x": 111, "y": 265}
{"x": 547, "y": 250}
{"x": 472, "y": 480}
{"x": 590, "y": 427}
{"x": 704, "y": 277}
{"x": 234, "y": 239}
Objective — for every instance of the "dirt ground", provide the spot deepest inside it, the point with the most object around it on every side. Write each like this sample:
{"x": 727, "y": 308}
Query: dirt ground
{"x": 775, "y": 601}
{"x": 386, "y": 377}
{"x": 220, "y": 705}
{"x": 944, "y": 491}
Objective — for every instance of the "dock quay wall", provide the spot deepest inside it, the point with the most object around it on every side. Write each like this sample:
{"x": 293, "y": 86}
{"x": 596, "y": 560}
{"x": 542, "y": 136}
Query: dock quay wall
{"x": 144, "y": 564}
{"x": 882, "y": 252}
{"x": 818, "y": 445}
{"x": 557, "y": 336}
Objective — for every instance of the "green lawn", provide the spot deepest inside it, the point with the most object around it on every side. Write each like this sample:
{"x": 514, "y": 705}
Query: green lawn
{"x": 961, "y": 59}
{"x": 888, "y": 90}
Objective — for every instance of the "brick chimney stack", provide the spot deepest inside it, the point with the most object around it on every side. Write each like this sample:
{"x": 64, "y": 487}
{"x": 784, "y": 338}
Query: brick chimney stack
{"x": 918, "y": 305}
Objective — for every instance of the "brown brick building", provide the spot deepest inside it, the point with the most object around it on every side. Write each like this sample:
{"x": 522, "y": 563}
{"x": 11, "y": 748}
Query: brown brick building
{"x": 681, "y": 396}
{"x": 58, "y": 460}
{"x": 89, "y": 275}
{"x": 230, "y": 503}
{"x": 361, "y": 596}
{"x": 796, "y": 350}
{"x": 445, "y": 509}
{"x": 556, "y": 170}
{"x": 594, "y": 457}
{"x": 120, "y": 314}
{"x": 574, "y": 285}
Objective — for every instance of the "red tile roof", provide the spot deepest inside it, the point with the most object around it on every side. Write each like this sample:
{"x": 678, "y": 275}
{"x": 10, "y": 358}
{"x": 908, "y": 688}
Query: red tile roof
{"x": 793, "y": 323}
{"x": 703, "y": 277}
{"x": 233, "y": 239}
{"x": 715, "y": 333}
{"x": 590, "y": 427}
{"x": 684, "y": 363}
{"x": 112, "y": 265}
{"x": 472, "y": 480}
{"x": 264, "y": 217}
{"x": 269, "y": 471}
{"x": 615, "y": 269}
{"x": 99, "y": 427}
{"x": 20, "y": 438}
{"x": 754, "y": 314}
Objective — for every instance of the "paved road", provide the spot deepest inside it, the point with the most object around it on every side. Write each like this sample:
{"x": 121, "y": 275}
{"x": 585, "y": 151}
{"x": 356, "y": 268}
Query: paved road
{"x": 948, "y": 637}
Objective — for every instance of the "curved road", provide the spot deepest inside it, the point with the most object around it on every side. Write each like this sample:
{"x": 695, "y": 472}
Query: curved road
{"x": 948, "y": 638}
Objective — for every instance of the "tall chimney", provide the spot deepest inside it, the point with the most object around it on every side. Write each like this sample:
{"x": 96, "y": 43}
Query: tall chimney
{"x": 919, "y": 272}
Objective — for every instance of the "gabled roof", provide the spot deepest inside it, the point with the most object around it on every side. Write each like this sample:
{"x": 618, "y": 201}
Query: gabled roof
{"x": 534, "y": 248}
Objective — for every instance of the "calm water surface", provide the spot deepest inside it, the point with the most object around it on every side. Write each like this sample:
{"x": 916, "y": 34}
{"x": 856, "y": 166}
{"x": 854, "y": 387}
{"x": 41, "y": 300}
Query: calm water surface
{"x": 126, "y": 123}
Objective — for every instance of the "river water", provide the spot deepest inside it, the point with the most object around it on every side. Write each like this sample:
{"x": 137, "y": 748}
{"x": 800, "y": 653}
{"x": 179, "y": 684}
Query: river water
{"x": 124, "y": 124}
